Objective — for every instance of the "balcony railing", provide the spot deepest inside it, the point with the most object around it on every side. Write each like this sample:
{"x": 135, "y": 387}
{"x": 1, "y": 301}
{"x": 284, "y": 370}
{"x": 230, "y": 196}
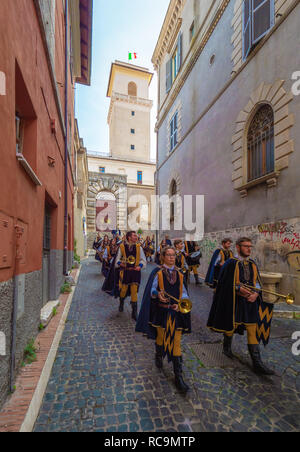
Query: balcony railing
{"x": 127, "y": 98}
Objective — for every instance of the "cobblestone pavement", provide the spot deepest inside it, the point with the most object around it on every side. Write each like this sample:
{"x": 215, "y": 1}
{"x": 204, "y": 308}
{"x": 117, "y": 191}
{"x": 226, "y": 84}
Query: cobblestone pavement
{"x": 104, "y": 378}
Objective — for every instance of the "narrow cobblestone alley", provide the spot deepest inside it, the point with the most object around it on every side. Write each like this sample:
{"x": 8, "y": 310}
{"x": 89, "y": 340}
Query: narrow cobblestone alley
{"x": 104, "y": 377}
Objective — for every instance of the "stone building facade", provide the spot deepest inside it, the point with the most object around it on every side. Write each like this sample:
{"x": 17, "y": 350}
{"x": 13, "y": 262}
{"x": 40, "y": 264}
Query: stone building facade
{"x": 126, "y": 173}
{"x": 228, "y": 123}
{"x": 80, "y": 195}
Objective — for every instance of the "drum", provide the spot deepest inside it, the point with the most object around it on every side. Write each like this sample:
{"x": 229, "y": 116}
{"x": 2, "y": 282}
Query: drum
{"x": 194, "y": 258}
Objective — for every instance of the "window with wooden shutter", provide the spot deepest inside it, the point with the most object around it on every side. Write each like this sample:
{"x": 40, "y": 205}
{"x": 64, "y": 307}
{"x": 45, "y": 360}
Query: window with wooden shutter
{"x": 258, "y": 19}
{"x": 262, "y": 18}
{"x": 246, "y": 28}
{"x": 179, "y": 52}
{"x": 169, "y": 75}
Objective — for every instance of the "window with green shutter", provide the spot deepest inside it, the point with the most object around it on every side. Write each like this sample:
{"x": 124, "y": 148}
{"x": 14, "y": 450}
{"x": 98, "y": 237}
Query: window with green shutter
{"x": 174, "y": 64}
{"x": 174, "y": 131}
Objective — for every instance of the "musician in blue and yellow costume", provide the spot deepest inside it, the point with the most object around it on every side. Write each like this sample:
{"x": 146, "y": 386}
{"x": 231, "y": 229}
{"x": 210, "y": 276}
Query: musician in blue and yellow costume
{"x": 160, "y": 318}
{"x": 130, "y": 272}
{"x": 220, "y": 256}
{"x": 180, "y": 261}
{"x": 237, "y": 308}
{"x": 190, "y": 248}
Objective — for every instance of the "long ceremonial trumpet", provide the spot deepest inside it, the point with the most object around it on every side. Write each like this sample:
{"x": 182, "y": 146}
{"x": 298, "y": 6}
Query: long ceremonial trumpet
{"x": 289, "y": 298}
{"x": 184, "y": 305}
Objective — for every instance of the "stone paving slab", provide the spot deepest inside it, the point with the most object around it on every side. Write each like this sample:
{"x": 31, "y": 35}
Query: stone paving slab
{"x": 104, "y": 378}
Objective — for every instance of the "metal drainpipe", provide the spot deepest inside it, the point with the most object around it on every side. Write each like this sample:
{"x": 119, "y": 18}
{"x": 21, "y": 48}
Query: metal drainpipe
{"x": 66, "y": 138}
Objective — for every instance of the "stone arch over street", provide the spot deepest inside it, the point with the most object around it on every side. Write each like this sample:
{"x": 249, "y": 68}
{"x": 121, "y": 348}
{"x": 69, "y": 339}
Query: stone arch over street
{"x": 106, "y": 187}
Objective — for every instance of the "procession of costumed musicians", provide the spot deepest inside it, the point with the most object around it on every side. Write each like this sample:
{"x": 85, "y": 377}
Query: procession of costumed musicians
{"x": 165, "y": 313}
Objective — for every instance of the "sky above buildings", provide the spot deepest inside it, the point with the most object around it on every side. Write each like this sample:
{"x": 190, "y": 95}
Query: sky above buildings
{"x": 120, "y": 26}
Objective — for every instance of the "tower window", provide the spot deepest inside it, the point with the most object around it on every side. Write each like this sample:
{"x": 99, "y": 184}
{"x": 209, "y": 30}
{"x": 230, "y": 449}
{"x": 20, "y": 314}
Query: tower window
{"x": 132, "y": 89}
{"x": 140, "y": 177}
{"x": 133, "y": 131}
{"x": 132, "y": 147}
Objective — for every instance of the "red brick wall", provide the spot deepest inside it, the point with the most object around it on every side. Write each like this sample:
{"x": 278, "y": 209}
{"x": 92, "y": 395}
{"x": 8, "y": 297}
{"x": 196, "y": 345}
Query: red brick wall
{"x": 23, "y": 53}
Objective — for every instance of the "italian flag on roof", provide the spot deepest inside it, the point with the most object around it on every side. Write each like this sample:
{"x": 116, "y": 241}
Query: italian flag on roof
{"x": 132, "y": 56}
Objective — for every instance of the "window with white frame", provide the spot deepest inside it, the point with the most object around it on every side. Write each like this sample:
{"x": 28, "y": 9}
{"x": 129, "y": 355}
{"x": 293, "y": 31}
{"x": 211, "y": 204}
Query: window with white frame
{"x": 174, "y": 64}
{"x": 174, "y": 132}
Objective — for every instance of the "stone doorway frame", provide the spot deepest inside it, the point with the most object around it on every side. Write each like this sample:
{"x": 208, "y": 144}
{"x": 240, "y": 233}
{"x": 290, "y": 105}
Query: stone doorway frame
{"x": 112, "y": 183}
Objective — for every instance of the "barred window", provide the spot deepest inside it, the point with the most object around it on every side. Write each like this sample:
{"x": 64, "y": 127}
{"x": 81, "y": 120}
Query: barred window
{"x": 261, "y": 144}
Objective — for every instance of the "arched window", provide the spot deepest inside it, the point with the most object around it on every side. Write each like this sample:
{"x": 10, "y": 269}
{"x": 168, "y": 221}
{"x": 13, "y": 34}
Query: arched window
{"x": 260, "y": 143}
{"x": 132, "y": 89}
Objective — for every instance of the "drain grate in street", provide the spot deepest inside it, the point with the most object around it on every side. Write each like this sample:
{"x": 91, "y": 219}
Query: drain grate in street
{"x": 211, "y": 355}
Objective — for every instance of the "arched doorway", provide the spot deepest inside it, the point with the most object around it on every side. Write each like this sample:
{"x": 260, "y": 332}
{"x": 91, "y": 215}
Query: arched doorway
{"x": 106, "y": 212}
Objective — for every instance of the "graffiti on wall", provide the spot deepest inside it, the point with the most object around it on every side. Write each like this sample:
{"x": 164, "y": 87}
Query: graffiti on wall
{"x": 208, "y": 246}
{"x": 286, "y": 233}
{"x": 276, "y": 246}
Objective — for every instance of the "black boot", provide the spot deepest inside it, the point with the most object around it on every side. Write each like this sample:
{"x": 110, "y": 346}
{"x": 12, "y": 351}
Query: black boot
{"x": 134, "y": 311}
{"x": 159, "y": 356}
{"x": 258, "y": 366}
{"x": 179, "y": 383}
{"x": 121, "y": 307}
{"x": 227, "y": 346}
{"x": 198, "y": 282}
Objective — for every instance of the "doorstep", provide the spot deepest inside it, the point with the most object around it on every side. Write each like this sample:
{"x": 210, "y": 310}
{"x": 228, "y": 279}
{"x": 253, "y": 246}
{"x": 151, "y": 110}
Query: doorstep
{"x": 20, "y": 411}
{"x": 47, "y": 312}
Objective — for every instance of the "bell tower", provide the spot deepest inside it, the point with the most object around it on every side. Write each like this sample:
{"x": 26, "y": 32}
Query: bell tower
{"x": 129, "y": 113}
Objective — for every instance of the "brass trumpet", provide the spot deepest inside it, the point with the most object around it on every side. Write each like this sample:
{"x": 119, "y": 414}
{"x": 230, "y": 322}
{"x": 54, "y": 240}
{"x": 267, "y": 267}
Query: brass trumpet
{"x": 184, "y": 305}
{"x": 129, "y": 260}
{"x": 289, "y": 298}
